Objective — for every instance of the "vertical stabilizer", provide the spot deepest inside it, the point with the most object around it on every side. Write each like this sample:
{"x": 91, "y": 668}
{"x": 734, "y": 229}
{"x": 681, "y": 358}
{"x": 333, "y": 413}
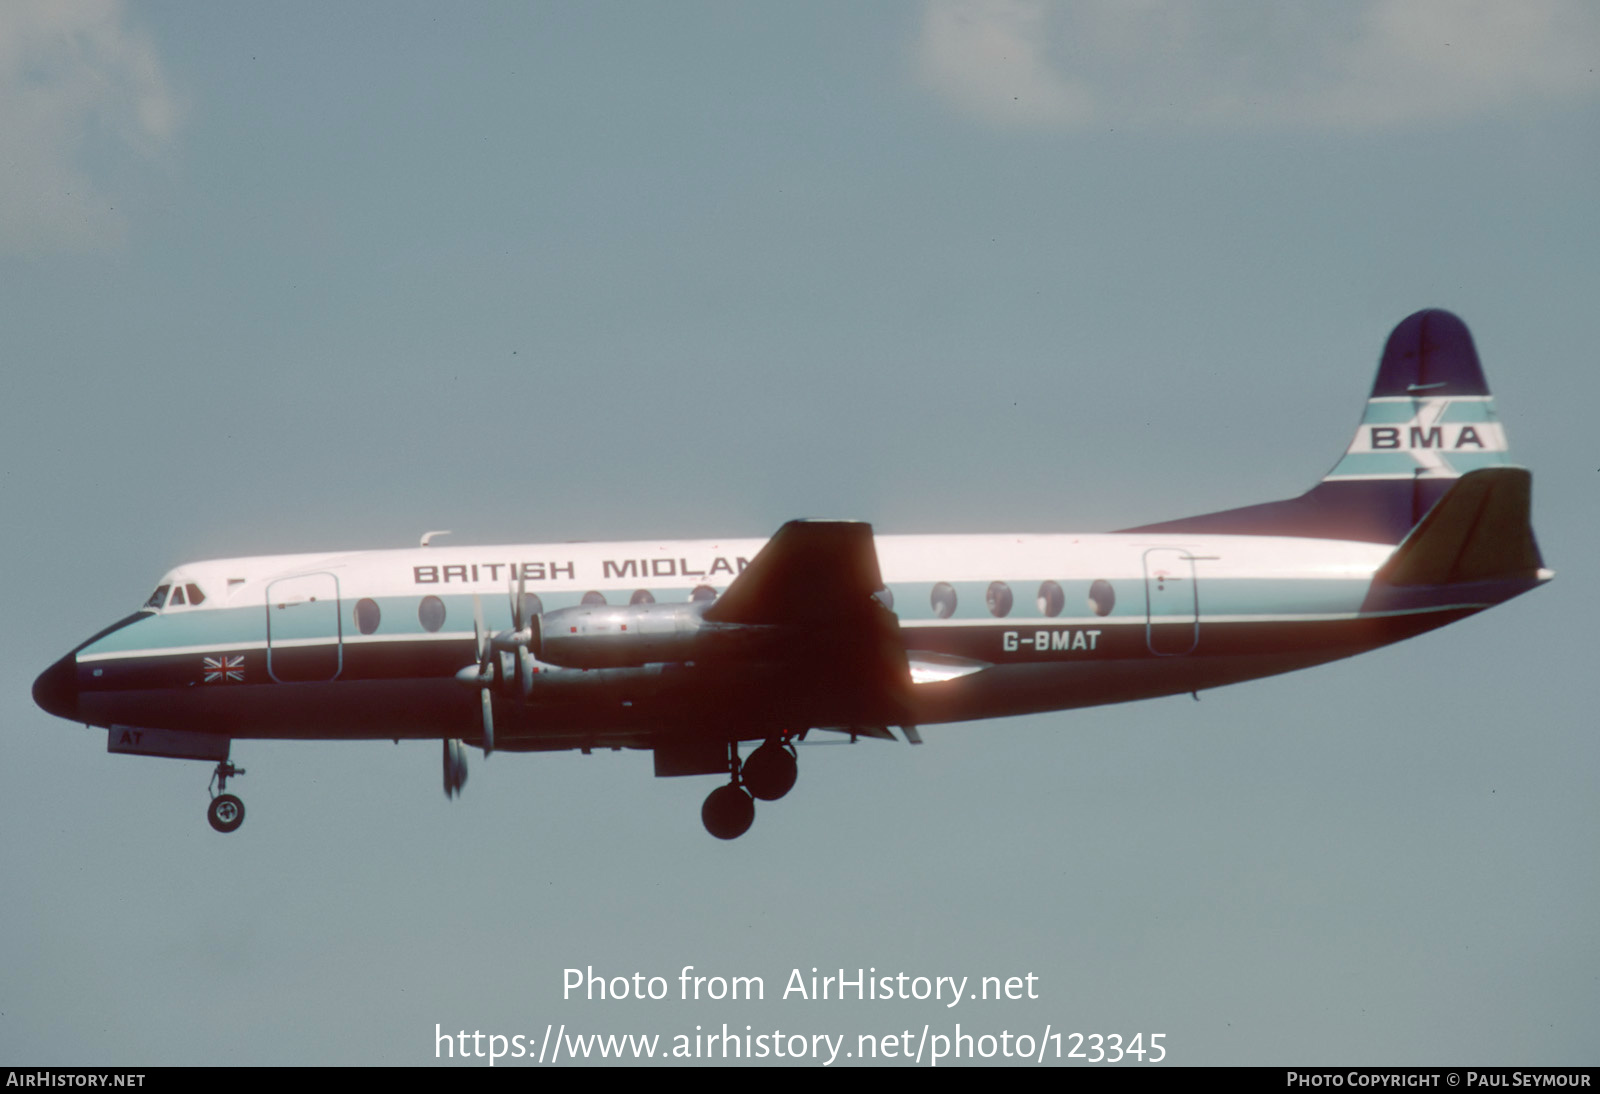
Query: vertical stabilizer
{"x": 1429, "y": 420}
{"x": 1430, "y": 415}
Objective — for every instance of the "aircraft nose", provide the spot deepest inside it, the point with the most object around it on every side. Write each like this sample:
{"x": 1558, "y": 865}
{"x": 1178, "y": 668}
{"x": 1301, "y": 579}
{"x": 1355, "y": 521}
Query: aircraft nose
{"x": 56, "y": 690}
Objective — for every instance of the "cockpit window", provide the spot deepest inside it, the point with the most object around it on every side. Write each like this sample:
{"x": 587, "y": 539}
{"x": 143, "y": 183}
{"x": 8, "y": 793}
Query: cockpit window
{"x": 183, "y": 596}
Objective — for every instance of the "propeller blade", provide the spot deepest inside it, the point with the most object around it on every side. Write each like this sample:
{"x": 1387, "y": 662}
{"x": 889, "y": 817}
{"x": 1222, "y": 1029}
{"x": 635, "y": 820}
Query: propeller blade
{"x": 519, "y": 601}
{"x": 455, "y": 767}
{"x": 488, "y": 721}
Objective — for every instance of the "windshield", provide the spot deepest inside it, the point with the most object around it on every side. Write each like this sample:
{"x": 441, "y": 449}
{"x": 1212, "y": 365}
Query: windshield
{"x": 158, "y": 598}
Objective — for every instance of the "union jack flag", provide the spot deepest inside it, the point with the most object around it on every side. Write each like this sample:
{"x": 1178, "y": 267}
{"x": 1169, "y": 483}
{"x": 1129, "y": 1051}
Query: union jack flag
{"x": 225, "y": 669}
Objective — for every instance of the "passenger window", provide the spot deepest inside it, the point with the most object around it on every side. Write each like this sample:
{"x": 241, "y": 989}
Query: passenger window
{"x": 1102, "y": 597}
{"x": 592, "y": 598}
{"x": 642, "y": 596}
{"x": 431, "y": 613}
{"x": 367, "y": 615}
{"x": 702, "y": 593}
{"x": 943, "y": 599}
{"x": 885, "y": 596}
{"x": 1051, "y": 599}
{"x": 999, "y": 599}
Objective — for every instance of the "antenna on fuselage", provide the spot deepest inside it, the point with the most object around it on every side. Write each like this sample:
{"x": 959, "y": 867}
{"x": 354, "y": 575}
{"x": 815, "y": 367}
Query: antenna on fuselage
{"x": 426, "y": 536}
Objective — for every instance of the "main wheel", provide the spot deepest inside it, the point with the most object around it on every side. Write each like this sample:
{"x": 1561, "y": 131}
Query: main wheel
{"x": 728, "y": 812}
{"x": 226, "y": 813}
{"x": 770, "y": 771}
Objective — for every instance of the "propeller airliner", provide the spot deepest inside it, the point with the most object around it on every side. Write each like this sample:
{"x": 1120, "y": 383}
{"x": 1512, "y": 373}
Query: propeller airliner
{"x": 697, "y": 649}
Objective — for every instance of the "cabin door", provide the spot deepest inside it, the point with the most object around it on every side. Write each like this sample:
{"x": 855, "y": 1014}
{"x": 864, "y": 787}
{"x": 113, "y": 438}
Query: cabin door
{"x": 1172, "y": 601}
{"x": 304, "y": 642}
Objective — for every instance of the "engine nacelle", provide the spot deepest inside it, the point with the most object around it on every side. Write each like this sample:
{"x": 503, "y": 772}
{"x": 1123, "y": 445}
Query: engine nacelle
{"x": 604, "y": 636}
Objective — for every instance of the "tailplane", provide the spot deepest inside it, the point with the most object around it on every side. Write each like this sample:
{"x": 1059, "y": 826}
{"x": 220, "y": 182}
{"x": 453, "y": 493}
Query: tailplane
{"x": 1479, "y": 531}
{"x": 1429, "y": 421}
{"x": 1474, "y": 548}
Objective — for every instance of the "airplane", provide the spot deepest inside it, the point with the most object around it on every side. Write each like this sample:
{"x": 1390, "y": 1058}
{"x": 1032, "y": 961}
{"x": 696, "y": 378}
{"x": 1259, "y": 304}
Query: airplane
{"x": 693, "y": 649}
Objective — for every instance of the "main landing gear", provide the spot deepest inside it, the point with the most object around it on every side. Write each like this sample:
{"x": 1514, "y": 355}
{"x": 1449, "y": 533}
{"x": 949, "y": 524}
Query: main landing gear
{"x": 226, "y": 812}
{"x": 770, "y": 771}
{"x": 768, "y": 774}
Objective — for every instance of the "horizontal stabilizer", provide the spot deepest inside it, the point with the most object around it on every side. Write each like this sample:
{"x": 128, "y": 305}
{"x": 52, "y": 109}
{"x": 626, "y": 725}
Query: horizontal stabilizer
{"x": 1479, "y": 531}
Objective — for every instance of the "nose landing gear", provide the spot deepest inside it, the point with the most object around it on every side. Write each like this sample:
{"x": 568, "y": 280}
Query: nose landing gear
{"x": 226, "y": 812}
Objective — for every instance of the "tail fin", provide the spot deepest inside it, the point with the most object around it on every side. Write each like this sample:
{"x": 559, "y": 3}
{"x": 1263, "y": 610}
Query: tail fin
{"x": 1430, "y": 415}
{"x": 1429, "y": 420}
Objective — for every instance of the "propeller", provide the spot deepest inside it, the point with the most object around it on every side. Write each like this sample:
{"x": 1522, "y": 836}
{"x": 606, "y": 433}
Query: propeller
{"x": 491, "y": 650}
{"x": 486, "y": 674}
{"x": 523, "y": 634}
{"x": 455, "y": 767}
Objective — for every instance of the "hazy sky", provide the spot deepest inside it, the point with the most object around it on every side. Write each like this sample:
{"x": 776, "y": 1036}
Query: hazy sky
{"x": 294, "y": 277}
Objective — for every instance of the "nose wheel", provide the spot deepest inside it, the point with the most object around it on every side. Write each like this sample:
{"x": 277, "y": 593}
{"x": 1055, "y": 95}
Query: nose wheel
{"x": 226, "y": 812}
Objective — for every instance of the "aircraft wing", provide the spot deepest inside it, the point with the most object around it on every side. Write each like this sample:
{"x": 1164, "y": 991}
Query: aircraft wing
{"x": 811, "y": 572}
{"x": 811, "y": 588}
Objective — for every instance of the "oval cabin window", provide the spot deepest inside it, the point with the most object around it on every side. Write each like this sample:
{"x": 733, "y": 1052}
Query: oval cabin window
{"x": 431, "y": 613}
{"x": 367, "y": 615}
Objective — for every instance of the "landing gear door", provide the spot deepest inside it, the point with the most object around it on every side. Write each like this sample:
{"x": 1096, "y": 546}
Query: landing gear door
{"x": 1172, "y": 601}
{"x": 304, "y": 642}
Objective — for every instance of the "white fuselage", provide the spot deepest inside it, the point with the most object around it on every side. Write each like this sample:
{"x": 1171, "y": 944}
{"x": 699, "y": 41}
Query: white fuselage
{"x": 369, "y": 644}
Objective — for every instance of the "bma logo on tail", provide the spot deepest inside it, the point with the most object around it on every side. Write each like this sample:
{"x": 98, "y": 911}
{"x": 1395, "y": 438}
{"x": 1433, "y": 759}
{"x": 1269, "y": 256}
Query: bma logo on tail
{"x": 1432, "y": 438}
